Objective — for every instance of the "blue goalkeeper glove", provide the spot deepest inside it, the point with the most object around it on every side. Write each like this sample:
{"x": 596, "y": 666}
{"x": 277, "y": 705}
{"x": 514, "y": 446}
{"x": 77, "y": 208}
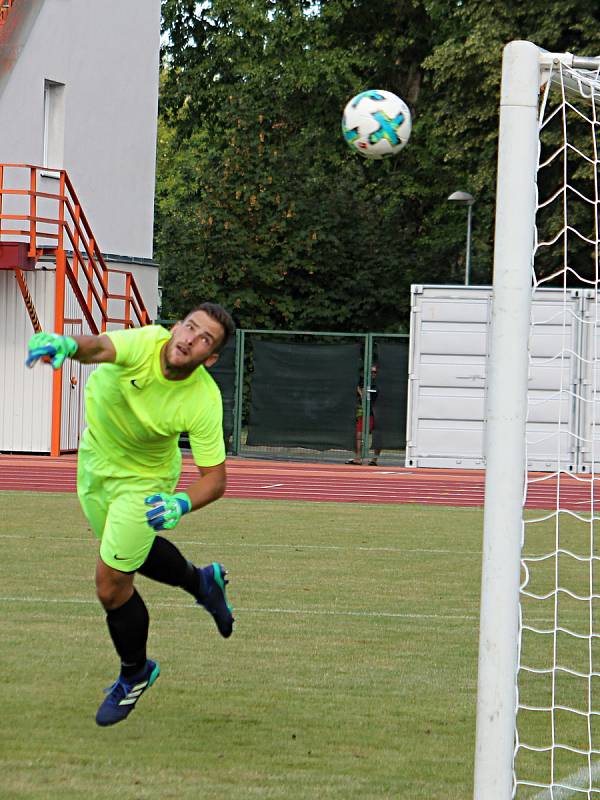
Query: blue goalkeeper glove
{"x": 50, "y": 346}
{"x": 168, "y": 510}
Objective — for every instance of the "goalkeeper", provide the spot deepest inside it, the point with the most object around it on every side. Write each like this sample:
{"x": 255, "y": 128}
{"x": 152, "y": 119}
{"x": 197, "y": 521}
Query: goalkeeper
{"x": 151, "y": 385}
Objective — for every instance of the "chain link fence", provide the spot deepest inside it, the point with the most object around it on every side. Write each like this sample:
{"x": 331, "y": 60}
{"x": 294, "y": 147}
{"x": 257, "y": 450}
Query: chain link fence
{"x": 305, "y": 396}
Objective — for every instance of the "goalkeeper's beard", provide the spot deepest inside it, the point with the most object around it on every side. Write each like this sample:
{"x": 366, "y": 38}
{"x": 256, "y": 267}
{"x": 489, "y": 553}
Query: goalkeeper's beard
{"x": 179, "y": 371}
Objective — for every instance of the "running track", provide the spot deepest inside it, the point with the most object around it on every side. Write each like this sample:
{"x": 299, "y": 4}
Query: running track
{"x": 317, "y": 482}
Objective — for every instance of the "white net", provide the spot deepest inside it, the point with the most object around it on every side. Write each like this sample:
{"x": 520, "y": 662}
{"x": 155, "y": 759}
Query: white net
{"x": 557, "y": 744}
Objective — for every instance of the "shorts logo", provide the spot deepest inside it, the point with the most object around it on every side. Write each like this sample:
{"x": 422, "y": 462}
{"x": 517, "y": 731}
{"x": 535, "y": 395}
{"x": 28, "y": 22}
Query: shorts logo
{"x": 133, "y": 383}
{"x": 120, "y": 558}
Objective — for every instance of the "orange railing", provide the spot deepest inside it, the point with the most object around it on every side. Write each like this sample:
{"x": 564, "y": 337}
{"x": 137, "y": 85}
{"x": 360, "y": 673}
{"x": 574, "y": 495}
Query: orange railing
{"x": 52, "y": 223}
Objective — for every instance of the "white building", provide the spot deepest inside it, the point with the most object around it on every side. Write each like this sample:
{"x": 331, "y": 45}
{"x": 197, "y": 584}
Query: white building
{"x": 448, "y": 379}
{"x": 78, "y": 101}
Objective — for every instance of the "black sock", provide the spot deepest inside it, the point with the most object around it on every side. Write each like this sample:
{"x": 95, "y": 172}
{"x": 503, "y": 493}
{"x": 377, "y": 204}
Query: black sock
{"x": 128, "y": 627}
{"x": 165, "y": 564}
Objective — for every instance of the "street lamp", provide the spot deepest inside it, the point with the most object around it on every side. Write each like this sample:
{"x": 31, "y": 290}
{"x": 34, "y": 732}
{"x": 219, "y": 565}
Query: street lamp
{"x": 465, "y": 199}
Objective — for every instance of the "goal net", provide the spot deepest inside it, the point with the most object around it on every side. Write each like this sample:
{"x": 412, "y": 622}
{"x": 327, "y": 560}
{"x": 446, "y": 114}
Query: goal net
{"x": 557, "y": 745}
{"x": 538, "y": 717}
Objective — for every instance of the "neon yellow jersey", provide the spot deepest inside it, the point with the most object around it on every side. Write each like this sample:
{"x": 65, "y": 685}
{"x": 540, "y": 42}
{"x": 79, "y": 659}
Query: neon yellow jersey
{"x": 135, "y": 414}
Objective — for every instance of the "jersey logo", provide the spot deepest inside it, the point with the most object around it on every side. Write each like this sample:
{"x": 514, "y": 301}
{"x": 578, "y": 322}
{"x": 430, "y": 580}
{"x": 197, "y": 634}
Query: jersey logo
{"x": 133, "y": 383}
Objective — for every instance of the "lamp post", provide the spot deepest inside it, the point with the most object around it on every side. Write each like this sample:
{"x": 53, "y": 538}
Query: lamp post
{"x": 465, "y": 199}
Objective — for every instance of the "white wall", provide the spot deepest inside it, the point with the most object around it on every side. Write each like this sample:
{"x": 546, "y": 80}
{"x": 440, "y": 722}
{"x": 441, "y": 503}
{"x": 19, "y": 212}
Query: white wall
{"x": 447, "y": 376}
{"x": 449, "y": 343}
{"x": 25, "y": 394}
{"x": 106, "y": 53}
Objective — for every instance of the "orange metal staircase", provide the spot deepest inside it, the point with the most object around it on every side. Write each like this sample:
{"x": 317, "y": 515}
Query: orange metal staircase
{"x": 38, "y": 224}
{"x": 5, "y": 6}
{"x": 16, "y": 21}
{"x": 49, "y": 224}
{"x": 11, "y": 18}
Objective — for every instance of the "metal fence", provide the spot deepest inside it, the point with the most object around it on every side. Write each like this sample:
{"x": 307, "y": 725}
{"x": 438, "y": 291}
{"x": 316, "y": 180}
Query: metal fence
{"x": 305, "y": 395}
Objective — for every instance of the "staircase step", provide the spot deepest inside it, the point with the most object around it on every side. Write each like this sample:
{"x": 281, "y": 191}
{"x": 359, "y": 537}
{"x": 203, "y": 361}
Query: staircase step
{"x": 15, "y": 255}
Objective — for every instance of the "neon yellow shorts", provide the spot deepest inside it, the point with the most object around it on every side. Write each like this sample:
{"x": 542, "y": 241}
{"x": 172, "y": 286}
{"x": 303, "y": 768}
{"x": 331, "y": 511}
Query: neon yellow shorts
{"x": 116, "y": 512}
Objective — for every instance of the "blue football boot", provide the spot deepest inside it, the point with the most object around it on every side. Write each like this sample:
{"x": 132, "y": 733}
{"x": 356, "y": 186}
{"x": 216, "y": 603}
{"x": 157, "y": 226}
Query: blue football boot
{"x": 213, "y": 598}
{"x": 122, "y": 696}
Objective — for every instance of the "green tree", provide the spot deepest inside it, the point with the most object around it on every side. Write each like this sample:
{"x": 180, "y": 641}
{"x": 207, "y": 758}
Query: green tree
{"x": 465, "y": 67}
{"x": 295, "y": 229}
{"x": 261, "y": 205}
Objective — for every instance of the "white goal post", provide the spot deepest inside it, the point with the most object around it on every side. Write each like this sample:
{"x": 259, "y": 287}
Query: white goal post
{"x": 560, "y": 766}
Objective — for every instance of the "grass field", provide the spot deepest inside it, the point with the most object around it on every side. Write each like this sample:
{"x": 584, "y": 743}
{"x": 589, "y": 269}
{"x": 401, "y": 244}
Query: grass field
{"x": 351, "y": 672}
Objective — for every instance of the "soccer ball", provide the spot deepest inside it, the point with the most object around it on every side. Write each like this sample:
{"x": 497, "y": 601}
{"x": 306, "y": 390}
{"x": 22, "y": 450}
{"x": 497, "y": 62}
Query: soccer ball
{"x": 376, "y": 124}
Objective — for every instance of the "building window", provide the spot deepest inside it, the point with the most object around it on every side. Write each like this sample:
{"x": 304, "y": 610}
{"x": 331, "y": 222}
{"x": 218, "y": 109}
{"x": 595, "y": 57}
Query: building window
{"x": 54, "y": 124}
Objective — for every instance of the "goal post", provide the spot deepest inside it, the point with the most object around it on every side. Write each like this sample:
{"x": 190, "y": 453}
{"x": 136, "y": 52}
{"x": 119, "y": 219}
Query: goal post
{"x": 506, "y": 409}
{"x": 526, "y": 69}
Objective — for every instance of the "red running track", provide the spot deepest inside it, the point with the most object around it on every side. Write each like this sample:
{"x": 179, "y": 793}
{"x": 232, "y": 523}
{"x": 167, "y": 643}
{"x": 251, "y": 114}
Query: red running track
{"x": 320, "y": 482}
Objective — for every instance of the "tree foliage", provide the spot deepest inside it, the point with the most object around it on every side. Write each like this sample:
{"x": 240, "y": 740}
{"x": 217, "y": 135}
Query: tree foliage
{"x": 260, "y": 204}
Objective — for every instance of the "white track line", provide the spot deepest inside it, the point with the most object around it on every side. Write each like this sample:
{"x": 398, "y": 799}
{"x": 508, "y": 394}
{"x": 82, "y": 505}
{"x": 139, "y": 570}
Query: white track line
{"x": 579, "y": 779}
{"x": 275, "y": 546}
{"x": 321, "y": 612}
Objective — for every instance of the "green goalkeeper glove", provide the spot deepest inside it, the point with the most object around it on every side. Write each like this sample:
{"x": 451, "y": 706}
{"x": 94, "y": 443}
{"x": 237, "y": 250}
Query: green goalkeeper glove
{"x": 168, "y": 510}
{"x": 50, "y": 346}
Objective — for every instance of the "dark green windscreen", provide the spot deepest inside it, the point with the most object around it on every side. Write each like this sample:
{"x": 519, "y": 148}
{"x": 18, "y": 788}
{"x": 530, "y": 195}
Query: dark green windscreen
{"x": 224, "y": 374}
{"x": 304, "y": 395}
{"x": 389, "y": 410}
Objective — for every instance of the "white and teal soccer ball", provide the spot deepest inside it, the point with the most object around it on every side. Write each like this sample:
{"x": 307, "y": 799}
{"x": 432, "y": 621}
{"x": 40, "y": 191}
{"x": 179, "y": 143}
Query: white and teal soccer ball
{"x": 376, "y": 124}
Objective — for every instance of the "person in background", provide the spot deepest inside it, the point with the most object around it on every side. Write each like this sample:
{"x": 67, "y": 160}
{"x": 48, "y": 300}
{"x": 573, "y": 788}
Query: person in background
{"x": 372, "y": 389}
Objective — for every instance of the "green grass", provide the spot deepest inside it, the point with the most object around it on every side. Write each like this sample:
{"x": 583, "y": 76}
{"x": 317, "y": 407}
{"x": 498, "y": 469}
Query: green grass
{"x": 351, "y": 673}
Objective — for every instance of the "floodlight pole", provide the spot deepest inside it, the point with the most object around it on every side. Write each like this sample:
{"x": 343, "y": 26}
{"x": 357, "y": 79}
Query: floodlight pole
{"x": 468, "y": 255}
{"x": 506, "y": 409}
{"x": 465, "y": 199}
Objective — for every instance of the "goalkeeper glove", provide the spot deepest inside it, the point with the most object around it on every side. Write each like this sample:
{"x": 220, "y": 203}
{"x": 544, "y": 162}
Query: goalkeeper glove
{"x": 51, "y": 346}
{"x": 168, "y": 510}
